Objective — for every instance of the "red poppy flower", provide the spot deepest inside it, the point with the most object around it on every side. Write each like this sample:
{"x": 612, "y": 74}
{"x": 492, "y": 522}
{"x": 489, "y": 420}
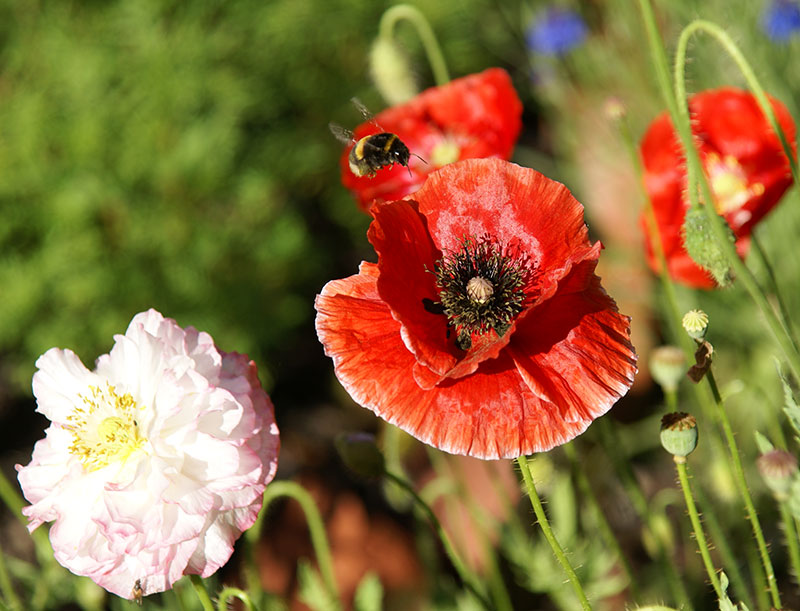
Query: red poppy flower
{"x": 471, "y": 117}
{"x": 744, "y": 163}
{"x": 482, "y": 330}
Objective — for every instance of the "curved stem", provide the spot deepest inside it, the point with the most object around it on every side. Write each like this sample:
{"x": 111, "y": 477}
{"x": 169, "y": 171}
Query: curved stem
{"x": 699, "y": 534}
{"x": 202, "y": 593}
{"x": 544, "y": 523}
{"x": 466, "y": 575}
{"x": 316, "y": 527}
{"x": 741, "y": 483}
{"x": 680, "y": 119}
{"x": 229, "y": 592}
{"x": 753, "y": 83}
{"x": 425, "y": 33}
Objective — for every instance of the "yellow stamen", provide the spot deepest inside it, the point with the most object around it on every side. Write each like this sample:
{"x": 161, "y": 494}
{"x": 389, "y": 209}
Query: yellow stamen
{"x": 728, "y": 181}
{"x": 104, "y": 428}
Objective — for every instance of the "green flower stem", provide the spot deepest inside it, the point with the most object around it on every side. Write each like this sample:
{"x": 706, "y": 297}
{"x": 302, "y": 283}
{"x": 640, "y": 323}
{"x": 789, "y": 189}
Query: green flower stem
{"x": 622, "y": 466}
{"x": 753, "y": 83}
{"x": 425, "y": 33}
{"x": 544, "y": 523}
{"x": 791, "y": 539}
{"x": 671, "y": 399}
{"x": 720, "y": 539}
{"x": 469, "y": 579}
{"x": 9, "y": 598}
{"x": 202, "y": 593}
{"x": 783, "y": 312}
{"x": 316, "y": 528}
{"x": 605, "y": 528}
{"x": 699, "y": 534}
{"x": 229, "y": 592}
{"x": 741, "y": 483}
{"x": 681, "y": 120}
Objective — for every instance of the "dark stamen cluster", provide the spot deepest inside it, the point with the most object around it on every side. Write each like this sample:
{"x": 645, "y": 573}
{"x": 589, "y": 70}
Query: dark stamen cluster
{"x": 480, "y": 288}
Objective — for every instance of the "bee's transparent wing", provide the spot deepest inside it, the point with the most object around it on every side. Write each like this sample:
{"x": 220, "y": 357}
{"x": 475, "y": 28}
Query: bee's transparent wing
{"x": 342, "y": 134}
{"x": 362, "y": 109}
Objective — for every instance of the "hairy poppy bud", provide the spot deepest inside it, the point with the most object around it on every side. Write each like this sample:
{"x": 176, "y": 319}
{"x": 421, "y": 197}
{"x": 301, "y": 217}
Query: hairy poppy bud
{"x": 702, "y": 246}
{"x": 778, "y": 468}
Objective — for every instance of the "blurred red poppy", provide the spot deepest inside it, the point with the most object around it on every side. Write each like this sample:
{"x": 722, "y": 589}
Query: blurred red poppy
{"x": 483, "y": 329}
{"x": 471, "y": 117}
{"x": 744, "y": 163}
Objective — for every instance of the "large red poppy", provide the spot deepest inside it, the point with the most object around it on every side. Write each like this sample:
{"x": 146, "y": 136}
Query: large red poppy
{"x": 483, "y": 329}
{"x": 472, "y": 117}
{"x": 744, "y": 163}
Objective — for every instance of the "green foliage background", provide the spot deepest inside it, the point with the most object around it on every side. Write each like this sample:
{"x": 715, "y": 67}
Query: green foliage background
{"x": 176, "y": 155}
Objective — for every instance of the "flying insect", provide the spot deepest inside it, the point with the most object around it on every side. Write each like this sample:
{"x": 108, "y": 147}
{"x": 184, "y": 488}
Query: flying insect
{"x": 137, "y": 592}
{"x": 374, "y": 152}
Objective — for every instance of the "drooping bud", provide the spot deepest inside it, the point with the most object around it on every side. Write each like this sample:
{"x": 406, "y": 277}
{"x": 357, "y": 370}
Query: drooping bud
{"x": 695, "y": 323}
{"x": 702, "y": 246}
{"x": 391, "y": 72}
{"x": 668, "y": 366}
{"x": 778, "y": 468}
{"x": 679, "y": 434}
{"x": 360, "y": 454}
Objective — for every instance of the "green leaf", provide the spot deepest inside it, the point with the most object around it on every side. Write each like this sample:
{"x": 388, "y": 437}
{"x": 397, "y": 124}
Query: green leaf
{"x": 764, "y": 444}
{"x": 725, "y": 603}
{"x": 369, "y": 594}
{"x": 311, "y": 589}
{"x": 791, "y": 408}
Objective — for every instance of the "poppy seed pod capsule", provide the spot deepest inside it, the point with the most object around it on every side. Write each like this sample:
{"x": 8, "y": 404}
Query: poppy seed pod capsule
{"x": 778, "y": 468}
{"x": 679, "y": 434}
{"x": 668, "y": 366}
{"x": 698, "y": 237}
{"x": 695, "y": 323}
{"x": 360, "y": 454}
{"x": 391, "y": 71}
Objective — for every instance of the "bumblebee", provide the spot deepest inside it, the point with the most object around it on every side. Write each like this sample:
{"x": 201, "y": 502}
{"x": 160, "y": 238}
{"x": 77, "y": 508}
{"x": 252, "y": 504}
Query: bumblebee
{"x": 374, "y": 152}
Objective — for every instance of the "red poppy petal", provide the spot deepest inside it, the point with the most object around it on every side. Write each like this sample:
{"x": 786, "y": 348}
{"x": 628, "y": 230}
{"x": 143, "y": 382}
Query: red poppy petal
{"x": 480, "y": 114}
{"x": 490, "y": 414}
{"x": 406, "y": 259}
{"x": 574, "y": 350}
{"x": 516, "y": 206}
{"x": 728, "y": 125}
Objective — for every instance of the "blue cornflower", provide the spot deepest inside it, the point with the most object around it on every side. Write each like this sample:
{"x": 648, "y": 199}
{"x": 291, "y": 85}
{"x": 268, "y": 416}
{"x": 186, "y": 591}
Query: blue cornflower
{"x": 557, "y": 32}
{"x": 781, "y": 20}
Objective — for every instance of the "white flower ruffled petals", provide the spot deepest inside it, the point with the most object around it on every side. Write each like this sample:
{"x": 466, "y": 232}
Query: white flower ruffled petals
{"x": 156, "y": 462}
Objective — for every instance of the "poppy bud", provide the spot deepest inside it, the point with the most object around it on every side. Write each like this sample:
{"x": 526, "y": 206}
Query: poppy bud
{"x": 679, "y": 434}
{"x": 360, "y": 454}
{"x": 698, "y": 237}
{"x": 391, "y": 72}
{"x": 695, "y": 323}
{"x": 778, "y": 468}
{"x": 668, "y": 366}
